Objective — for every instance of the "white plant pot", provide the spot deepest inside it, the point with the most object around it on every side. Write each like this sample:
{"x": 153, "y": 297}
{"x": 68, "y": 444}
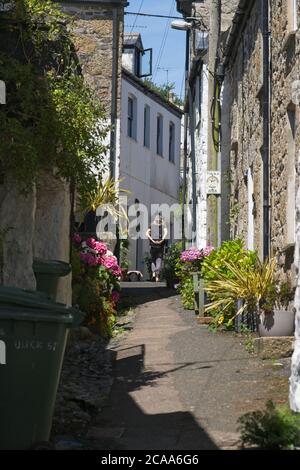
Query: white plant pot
{"x": 277, "y": 323}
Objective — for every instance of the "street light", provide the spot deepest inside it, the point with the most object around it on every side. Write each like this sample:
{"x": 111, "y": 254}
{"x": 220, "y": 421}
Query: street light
{"x": 181, "y": 25}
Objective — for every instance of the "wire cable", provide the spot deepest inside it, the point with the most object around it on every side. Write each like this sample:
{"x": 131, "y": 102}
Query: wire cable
{"x": 164, "y": 39}
{"x": 137, "y": 15}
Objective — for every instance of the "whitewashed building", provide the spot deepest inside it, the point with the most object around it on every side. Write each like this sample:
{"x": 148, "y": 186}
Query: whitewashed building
{"x": 150, "y": 145}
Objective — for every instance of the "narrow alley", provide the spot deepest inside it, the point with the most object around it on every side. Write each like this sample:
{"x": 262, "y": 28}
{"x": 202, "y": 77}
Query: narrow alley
{"x": 179, "y": 386}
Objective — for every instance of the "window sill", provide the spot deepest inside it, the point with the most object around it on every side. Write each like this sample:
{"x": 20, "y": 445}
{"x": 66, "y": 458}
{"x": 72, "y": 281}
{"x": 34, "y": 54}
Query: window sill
{"x": 132, "y": 138}
{"x": 159, "y": 155}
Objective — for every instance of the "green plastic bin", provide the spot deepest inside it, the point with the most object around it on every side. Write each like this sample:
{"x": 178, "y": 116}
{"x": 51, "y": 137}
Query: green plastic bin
{"x": 33, "y": 335}
{"x": 47, "y": 274}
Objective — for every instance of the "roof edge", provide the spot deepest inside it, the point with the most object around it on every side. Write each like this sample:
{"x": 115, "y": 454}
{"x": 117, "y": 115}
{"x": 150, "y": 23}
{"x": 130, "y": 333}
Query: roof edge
{"x": 141, "y": 85}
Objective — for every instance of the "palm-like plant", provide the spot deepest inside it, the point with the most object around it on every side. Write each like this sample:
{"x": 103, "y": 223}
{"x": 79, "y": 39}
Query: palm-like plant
{"x": 243, "y": 283}
{"x": 105, "y": 195}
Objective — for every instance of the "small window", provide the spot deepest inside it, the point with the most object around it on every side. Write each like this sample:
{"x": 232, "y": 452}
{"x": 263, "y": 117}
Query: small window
{"x": 159, "y": 135}
{"x": 147, "y": 126}
{"x": 172, "y": 142}
{"x": 132, "y": 118}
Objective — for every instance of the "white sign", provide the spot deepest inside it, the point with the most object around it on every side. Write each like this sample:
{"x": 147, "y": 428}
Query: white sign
{"x": 2, "y": 92}
{"x": 213, "y": 182}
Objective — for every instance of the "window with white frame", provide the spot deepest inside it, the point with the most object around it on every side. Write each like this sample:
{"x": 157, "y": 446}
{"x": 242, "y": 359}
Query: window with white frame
{"x": 132, "y": 117}
{"x": 172, "y": 142}
{"x": 292, "y": 15}
{"x": 147, "y": 126}
{"x": 159, "y": 135}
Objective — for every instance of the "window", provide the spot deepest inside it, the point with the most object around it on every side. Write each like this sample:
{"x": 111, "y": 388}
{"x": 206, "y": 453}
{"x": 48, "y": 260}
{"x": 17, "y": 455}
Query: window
{"x": 292, "y": 16}
{"x": 147, "y": 126}
{"x": 132, "y": 117}
{"x": 159, "y": 135}
{"x": 172, "y": 142}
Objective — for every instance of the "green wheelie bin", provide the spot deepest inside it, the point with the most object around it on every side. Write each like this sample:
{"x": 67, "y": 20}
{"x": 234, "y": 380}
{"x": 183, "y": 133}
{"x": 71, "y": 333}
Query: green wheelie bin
{"x": 47, "y": 274}
{"x": 33, "y": 335}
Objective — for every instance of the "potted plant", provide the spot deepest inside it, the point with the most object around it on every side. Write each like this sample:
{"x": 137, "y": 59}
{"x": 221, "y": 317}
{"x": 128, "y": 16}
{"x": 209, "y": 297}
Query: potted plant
{"x": 255, "y": 288}
{"x": 277, "y": 314}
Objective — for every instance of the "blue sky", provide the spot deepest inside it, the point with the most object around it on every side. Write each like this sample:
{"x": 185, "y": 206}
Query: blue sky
{"x": 153, "y": 31}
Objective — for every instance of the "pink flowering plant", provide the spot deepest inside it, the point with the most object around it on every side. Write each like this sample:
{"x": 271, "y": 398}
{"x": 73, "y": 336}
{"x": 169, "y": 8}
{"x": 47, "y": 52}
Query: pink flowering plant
{"x": 96, "y": 282}
{"x": 190, "y": 261}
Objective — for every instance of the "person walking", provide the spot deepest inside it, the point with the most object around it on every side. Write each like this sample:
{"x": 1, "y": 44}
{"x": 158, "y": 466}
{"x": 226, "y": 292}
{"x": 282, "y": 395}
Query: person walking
{"x": 157, "y": 246}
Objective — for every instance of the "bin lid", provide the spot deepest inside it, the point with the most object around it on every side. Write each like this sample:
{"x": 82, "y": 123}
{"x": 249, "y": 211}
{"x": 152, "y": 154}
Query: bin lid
{"x": 60, "y": 268}
{"x": 13, "y": 296}
{"x": 34, "y": 315}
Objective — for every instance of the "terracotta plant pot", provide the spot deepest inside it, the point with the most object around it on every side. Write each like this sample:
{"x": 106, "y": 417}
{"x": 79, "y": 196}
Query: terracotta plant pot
{"x": 277, "y": 323}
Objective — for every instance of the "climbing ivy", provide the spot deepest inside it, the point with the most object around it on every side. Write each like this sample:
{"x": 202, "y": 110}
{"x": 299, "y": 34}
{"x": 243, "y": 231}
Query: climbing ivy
{"x": 51, "y": 119}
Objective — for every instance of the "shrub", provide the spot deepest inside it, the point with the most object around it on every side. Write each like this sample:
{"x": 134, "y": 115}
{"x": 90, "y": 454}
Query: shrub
{"x": 215, "y": 267}
{"x": 171, "y": 259}
{"x": 275, "y": 428}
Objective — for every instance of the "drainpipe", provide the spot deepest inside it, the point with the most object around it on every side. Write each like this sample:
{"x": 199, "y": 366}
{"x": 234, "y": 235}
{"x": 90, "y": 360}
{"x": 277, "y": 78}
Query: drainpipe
{"x": 114, "y": 94}
{"x": 266, "y": 127}
{"x": 185, "y": 148}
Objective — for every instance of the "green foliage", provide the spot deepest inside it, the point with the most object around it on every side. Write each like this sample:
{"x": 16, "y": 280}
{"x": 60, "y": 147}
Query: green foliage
{"x": 164, "y": 90}
{"x": 170, "y": 261}
{"x": 214, "y": 267}
{"x": 51, "y": 119}
{"x": 124, "y": 262}
{"x": 248, "y": 343}
{"x": 186, "y": 285}
{"x": 186, "y": 289}
{"x": 276, "y": 428}
{"x": 232, "y": 251}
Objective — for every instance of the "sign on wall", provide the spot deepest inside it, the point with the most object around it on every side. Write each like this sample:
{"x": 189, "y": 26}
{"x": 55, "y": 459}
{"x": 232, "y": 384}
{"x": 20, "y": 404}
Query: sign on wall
{"x": 213, "y": 182}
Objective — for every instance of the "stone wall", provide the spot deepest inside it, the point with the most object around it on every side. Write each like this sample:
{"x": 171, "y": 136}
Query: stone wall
{"x": 17, "y": 215}
{"x": 244, "y": 80}
{"x": 93, "y": 39}
{"x": 51, "y": 240}
{"x": 243, "y": 140}
{"x": 284, "y": 148}
{"x": 228, "y": 9}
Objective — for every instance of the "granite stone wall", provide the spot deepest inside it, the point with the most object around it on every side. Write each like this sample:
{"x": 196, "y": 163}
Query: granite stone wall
{"x": 243, "y": 139}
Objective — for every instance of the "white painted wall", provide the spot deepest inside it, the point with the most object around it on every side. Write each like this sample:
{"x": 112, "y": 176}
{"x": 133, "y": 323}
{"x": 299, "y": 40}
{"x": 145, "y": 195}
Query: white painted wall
{"x": 150, "y": 178}
{"x": 201, "y": 132}
{"x": 295, "y": 368}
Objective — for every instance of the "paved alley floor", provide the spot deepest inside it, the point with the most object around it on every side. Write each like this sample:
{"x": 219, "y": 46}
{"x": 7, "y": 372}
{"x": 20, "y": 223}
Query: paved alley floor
{"x": 178, "y": 386}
